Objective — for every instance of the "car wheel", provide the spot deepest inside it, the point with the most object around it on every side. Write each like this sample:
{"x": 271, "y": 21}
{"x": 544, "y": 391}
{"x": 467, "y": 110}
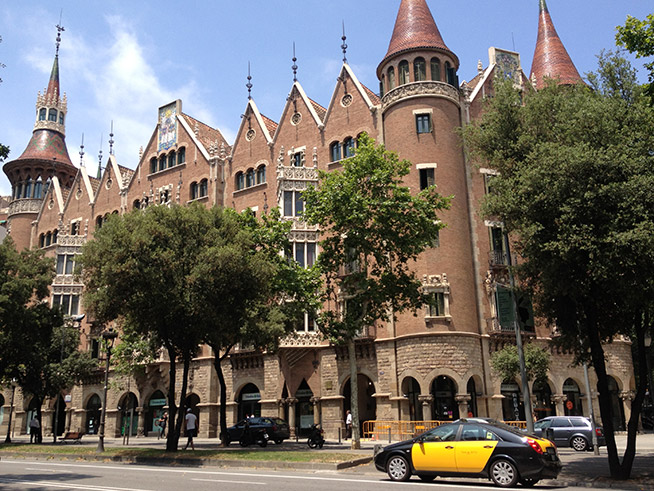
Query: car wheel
{"x": 503, "y": 473}
{"x": 426, "y": 477}
{"x": 528, "y": 483}
{"x": 278, "y": 441}
{"x": 244, "y": 443}
{"x": 397, "y": 468}
{"x": 579, "y": 443}
{"x": 263, "y": 443}
{"x": 312, "y": 443}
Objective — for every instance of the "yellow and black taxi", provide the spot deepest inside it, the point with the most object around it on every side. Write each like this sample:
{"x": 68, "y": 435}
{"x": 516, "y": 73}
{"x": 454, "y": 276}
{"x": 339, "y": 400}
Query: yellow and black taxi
{"x": 497, "y": 451}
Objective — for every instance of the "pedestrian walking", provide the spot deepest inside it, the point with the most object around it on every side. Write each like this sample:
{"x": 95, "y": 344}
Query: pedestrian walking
{"x": 348, "y": 424}
{"x": 163, "y": 420}
{"x": 35, "y": 430}
{"x": 191, "y": 428}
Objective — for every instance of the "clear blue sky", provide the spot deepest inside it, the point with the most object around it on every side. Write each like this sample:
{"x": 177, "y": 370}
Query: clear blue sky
{"x": 120, "y": 60}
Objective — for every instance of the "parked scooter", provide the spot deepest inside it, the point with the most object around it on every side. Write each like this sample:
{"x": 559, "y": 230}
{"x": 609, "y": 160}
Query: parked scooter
{"x": 250, "y": 436}
{"x": 316, "y": 438}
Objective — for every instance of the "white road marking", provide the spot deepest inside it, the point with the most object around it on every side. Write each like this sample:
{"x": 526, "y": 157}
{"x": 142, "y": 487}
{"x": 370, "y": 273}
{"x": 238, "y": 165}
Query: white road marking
{"x": 231, "y": 482}
{"x": 44, "y": 484}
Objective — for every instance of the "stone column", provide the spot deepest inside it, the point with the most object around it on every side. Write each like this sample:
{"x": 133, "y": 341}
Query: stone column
{"x": 47, "y": 428}
{"x": 463, "y": 401}
{"x": 559, "y": 400}
{"x": 140, "y": 418}
{"x": 427, "y": 406}
{"x": 291, "y": 401}
{"x": 315, "y": 401}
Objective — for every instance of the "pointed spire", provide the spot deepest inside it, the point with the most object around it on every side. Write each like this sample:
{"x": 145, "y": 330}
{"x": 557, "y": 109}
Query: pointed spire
{"x": 415, "y": 28}
{"x": 100, "y": 160}
{"x": 551, "y": 59}
{"x": 53, "y": 85}
{"x": 344, "y": 45}
{"x": 249, "y": 84}
{"x": 294, "y": 67}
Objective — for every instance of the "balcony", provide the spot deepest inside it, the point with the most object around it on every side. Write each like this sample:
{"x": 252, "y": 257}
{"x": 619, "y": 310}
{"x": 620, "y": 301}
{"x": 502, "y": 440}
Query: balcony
{"x": 500, "y": 259}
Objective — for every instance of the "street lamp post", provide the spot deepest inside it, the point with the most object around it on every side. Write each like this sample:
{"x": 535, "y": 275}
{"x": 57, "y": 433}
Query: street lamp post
{"x": 109, "y": 337}
{"x": 11, "y": 409}
{"x": 76, "y": 319}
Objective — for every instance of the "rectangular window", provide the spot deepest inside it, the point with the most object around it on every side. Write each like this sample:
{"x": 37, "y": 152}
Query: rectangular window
{"x": 288, "y": 203}
{"x": 306, "y": 323}
{"x": 297, "y": 159}
{"x": 304, "y": 253}
{"x": 293, "y": 203}
{"x": 75, "y": 227}
{"x": 69, "y": 304}
{"x": 436, "y": 304}
{"x": 299, "y": 253}
{"x": 61, "y": 261}
{"x": 95, "y": 348}
{"x": 70, "y": 264}
{"x": 423, "y": 123}
{"x": 311, "y": 253}
{"x": 426, "y": 178}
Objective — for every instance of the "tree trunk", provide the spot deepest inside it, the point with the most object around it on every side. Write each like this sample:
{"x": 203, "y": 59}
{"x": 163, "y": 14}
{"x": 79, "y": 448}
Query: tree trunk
{"x": 182, "y": 396}
{"x": 354, "y": 393}
{"x": 223, "y": 394}
{"x": 173, "y": 432}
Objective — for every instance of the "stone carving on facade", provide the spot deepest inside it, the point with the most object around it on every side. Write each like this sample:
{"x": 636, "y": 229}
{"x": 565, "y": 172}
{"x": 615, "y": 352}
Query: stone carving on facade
{"x": 421, "y": 89}
{"x": 426, "y": 400}
{"x": 301, "y": 339}
{"x": 297, "y": 173}
{"x": 24, "y": 205}
{"x": 627, "y": 395}
{"x": 435, "y": 281}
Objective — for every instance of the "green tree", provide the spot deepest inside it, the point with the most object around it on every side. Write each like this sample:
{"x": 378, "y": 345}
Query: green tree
{"x": 373, "y": 229}
{"x": 506, "y": 364}
{"x": 37, "y": 347}
{"x": 637, "y": 36}
{"x": 574, "y": 189}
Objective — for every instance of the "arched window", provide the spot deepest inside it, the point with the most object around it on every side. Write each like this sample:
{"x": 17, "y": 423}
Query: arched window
{"x": 403, "y": 69}
{"x": 48, "y": 239}
{"x": 52, "y": 115}
{"x": 261, "y": 174}
{"x": 99, "y": 221}
{"x": 194, "y": 190}
{"x": 435, "y": 69}
{"x": 61, "y": 117}
{"x": 38, "y": 188}
{"x": 391, "y": 78}
{"x": 249, "y": 178}
{"x": 181, "y": 155}
{"x": 19, "y": 190}
{"x": 136, "y": 205}
{"x": 42, "y": 114}
{"x": 335, "y": 151}
{"x": 450, "y": 73}
{"x": 240, "y": 181}
{"x": 419, "y": 69}
{"x": 204, "y": 185}
{"x": 348, "y": 147}
{"x": 42, "y": 240}
{"x": 172, "y": 159}
{"x": 54, "y": 236}
{"x": 153, "y": 165}
{"x": 28, "y": 188}
{"x": 162, "y": 162}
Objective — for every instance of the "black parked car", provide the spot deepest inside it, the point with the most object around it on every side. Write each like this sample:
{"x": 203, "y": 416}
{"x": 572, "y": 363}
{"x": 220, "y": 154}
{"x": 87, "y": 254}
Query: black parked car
{"x": 569, "y": 431}
{"x": 277, "y": 429}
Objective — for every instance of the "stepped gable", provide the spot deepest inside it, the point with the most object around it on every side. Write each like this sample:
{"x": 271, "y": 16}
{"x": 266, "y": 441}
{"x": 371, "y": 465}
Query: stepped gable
{"x": 551, "y": 59}
{"x": 415, "y": 28}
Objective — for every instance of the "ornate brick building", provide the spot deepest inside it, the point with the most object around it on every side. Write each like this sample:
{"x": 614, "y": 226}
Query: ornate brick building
{"x": 433, "y": 366}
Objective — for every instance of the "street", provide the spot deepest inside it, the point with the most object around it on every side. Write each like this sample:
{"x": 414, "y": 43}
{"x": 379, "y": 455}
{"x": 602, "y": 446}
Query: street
{"x": 39, "y": 475}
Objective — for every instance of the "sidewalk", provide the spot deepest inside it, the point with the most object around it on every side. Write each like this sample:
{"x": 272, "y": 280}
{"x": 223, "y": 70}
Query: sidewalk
{"x": 580, "y": 469}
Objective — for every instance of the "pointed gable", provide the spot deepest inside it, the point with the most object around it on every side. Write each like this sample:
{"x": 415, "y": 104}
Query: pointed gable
{"x": 348, "y": 79}
{"x": 551, "y": 59}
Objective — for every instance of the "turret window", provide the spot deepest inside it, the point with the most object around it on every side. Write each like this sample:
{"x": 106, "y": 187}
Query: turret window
{"x": 42, "y": 114}
{"x": 293, "y": 203}
{"x": 423, "y": 123}
{"x": 38, "y": 188}
{"x": 28, "y": 188}
{"x": 419, "y": 70}
{"x": 19, "y": 190}
{"x": 403, "y": 69}
{"x": 435, "y": 69}
{"x": 450, "y": 73}
{"x": 391, "y": 78}
{"x": 61, "y": 117}
{"x": 52, "y": 115}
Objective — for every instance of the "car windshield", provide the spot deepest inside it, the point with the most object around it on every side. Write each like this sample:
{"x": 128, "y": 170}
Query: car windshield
{"x": 542, "y": 424}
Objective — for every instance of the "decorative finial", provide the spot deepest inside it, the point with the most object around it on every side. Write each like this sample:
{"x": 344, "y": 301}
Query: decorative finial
{"x": 344, "y": 45}
{"x": 111, "y": 139}
{"x": 249, "y": 84}
{"x": 100, "y": 159}
{"x": 294, "y": 67}
{"x": 81, "y": 152}
{"x": 60, "y": 29}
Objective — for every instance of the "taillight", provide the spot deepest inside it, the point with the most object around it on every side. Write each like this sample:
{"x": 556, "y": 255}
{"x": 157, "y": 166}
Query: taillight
{"x": 599, "y": 432}
{"x": 534, "y": 444}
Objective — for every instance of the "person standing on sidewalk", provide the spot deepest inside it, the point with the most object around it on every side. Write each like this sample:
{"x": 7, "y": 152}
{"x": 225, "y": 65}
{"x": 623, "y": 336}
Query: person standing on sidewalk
{"x": 348, "y": 424}
{"x": 191, "y": 428}
{"x": 35, "y": 430}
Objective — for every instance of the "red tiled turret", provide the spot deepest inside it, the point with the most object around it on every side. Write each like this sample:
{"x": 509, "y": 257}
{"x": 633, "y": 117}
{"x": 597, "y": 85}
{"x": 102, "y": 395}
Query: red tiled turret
{"x": 550, "y": 57}
{"x": 415, "y": 28}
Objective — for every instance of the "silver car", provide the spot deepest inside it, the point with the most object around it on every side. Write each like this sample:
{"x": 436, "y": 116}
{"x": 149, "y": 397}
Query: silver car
{"x": 569, "y": 431}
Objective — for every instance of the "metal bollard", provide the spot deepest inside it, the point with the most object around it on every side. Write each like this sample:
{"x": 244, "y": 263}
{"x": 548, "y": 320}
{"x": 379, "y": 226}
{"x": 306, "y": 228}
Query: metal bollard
{"x": 389, "y": 434}
{"x": 339, "y": 435}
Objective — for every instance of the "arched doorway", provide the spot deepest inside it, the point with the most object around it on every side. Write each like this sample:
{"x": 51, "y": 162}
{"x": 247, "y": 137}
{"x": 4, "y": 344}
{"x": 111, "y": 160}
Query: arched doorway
{"x": 471, "y": 389}
{"x": 617, "y": 407}
{"x": 544, "y": 404}
{"x": 513, "y": 408}
{"x": 303, "y": 409}
{"x": 127, "y": 407}
{"x": 93, "y": 409}
{"x": 411, "y": 390}
{"x": 59, "y": 415}
{"x": 156, "y": 407}
{"x": 572, "y": 404}
{"x": 445, "y": 407}
{"x": 248, "y": 402}
{"x": 367, "y": 403}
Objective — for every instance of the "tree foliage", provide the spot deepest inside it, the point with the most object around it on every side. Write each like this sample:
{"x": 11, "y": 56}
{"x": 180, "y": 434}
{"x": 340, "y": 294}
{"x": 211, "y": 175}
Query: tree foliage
{"x": 575, "y": 190}
{"x": 37, "y": 347}
{"x": 637, "y": 36}
{"x": 181, "y": 276}
{"x": 372, "y": 229}
{"x": 506, "y": 364}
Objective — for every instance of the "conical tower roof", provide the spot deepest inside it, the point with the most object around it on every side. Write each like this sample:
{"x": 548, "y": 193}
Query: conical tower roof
{"x": 53, "y": 84}
{"x": 415, "y": 28}
{"x": 551, "y": 59}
